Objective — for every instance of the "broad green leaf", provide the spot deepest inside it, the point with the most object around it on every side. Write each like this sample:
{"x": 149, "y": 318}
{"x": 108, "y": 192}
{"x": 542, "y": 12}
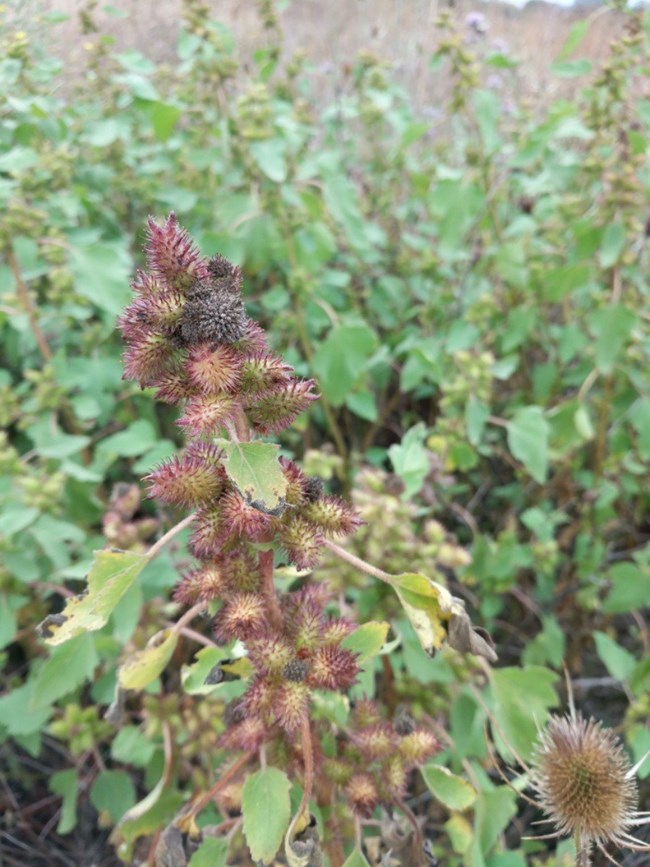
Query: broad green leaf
{"x": 113, "y": 792}
{"x": 639, "y": 414}
{"x": 452, "y": 791}
{"x": 492, "y": 813}
{"x": 163, "y": 119}
{"x": 437, "y": 616}
{"x": 212, "y": 852}
{"x": 145, "y": 665}
{"x": 17, "y": 518}
{"x": 136, "y": 439}
{"x": 267, "y": 811}
{"x": 356, "y": 859}
{"x": 410, "y": 460}
{"x": 102, "y": 272}
{"x": 367, "y": 640}
{"x": 132, "y": 747}
{"x": 64, "y": 783}
{"x": 630, "y": 588}
{"x": 17, "y": 716}
{"x": 611, "y": 326}
{"x": 341, "y": 358}
{"x": 110, "y": 576}
{"x": 528, "y": 440}
{"x": 613, "y": 244}
{"x": 255, "y": 470}
{"x": 618, "y": 661}
{"x": 270, "y": 157}
{"x": 521, "y": 700}
{"x": 67, "y": 668}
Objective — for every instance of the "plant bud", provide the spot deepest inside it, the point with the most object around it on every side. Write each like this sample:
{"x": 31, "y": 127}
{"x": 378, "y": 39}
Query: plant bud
{"x": 214, "y": 370}
{"x": 172, "y": 255}
{"x": 277, "y": 408}
{"x": 301, "y": 541}
{"x": 332, "y": 667}
{"x": 362, "y": 794}
{"x": 242, "y": 616}
{"x": 332, "y": 515}
{"x": 187, "y": 481}
{"x": 207, "y": 414}
{"x": 418, "y": 746}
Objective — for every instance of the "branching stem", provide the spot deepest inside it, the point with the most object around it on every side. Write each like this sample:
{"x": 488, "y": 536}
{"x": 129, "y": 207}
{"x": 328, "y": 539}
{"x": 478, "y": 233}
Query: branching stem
{"x": 169, "y": 535}
{"x": 221, "y": 783}
{"x": 26, "y": 301}
{"x": 358, "y": 563}
{"x": 268, "y": 589}
{"x": 308, "y": 759}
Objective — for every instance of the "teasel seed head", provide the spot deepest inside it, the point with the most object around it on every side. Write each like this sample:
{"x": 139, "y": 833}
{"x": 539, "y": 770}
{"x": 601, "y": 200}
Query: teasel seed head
{"x": 584, "y": 782}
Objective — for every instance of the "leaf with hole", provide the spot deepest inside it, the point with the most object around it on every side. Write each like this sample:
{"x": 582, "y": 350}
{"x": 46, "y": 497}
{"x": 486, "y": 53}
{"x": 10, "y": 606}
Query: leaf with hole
{"x": 255, "y": 469}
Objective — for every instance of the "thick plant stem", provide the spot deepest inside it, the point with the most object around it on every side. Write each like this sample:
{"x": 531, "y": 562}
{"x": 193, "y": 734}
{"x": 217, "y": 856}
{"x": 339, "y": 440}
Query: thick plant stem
{"x": 268, "y": 589}
{"x": 583, "y": 852}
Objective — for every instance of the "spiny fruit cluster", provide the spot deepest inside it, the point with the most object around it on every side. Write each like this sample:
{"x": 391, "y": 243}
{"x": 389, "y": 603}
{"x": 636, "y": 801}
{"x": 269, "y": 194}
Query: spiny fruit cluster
{"x": 188, "y": 337}
{"x": 372, "y": 766}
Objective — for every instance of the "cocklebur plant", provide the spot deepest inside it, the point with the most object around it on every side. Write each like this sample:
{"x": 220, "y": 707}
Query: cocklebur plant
{"x": 188, "y": 336}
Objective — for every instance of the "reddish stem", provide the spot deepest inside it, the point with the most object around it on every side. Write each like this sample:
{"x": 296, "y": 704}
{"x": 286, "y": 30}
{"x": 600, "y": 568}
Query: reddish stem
{"x": 308, "y": 760}
{"x": 223, "y": 781}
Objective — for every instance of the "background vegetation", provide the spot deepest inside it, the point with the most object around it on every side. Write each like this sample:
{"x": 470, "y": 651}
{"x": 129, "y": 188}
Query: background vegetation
{"x": 466, "y": 277}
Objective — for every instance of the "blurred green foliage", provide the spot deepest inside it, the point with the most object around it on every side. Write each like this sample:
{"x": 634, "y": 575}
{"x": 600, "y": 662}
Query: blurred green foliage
{"x": 470, "y": 289}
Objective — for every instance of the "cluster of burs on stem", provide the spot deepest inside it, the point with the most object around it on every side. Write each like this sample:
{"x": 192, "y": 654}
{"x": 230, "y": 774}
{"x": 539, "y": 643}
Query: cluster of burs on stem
{"x": 188, "y": 336}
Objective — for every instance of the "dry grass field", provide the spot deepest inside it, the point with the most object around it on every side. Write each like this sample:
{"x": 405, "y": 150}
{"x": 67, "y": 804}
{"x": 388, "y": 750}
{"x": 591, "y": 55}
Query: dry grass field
{"x": 332, "y": 32}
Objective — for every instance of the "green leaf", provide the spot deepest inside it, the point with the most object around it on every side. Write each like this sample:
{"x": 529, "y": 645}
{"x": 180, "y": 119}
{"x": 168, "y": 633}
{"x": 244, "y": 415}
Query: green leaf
{"x": 102, "y": 272}
{"x": 618, "y": 662}
{"x": 613, "y": 244}
{"x": 270, "y": 157}
{"x": 145, "y": 665}
{"x": 15, "y": 519}
{"x": 147, "y": 815}
{"x": 630, "y": 588}
{"x": 476, "y": 416}
{"x": 492, "y": 814}
{"x": 110, "y": 576}
{"x": 571, "y": 68}
{"x": 193, "y": 676}
{"x": 576, "y": 34}
{"x": 639, "y": 414}
{"x": 367, "y": 640}
{"x": 66, "y": 669}
{"x": 341, "y": 359}
{"x": 452, "y": 791}
{"x": 136, "y": 439}
{"x": 132, "y": 747}
{"x": 164, "y": 119}
{"x": 213, "y": 852}
{"x": 437, "y": 616}
{"x": 255, "y": 470}
{"x": 113, "y": 792}
{"x": 521, "y": 699}
{"x": 17, "y": 715}
{"x": 356, "y": 859}
{"x": 459, "y": 832}
{"x": 363, "y": 404}
{"x": 611, "y": 326}
{"x": 410, "y": 460}
{"x": 528, "y": 434}
{"x": 267, "y": 811}
{"x": 64, "y": 783}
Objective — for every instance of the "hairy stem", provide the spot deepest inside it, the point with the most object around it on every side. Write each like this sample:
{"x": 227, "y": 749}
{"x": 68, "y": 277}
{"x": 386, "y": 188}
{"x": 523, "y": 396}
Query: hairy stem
{"x": 308, "y": 759}
{"x": 169, "y": 535}
{"x": 357, "y": 562}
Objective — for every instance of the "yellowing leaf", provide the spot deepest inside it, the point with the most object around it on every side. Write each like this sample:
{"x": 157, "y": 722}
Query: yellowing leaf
{"x": 256, "y": 471}
{"x": 367, "y": 640}
{"x": 110, "y": 576}
{"x": 210, "y": 670}
{"x": 437, "y": 616}
{"x": 144, "y": 666}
